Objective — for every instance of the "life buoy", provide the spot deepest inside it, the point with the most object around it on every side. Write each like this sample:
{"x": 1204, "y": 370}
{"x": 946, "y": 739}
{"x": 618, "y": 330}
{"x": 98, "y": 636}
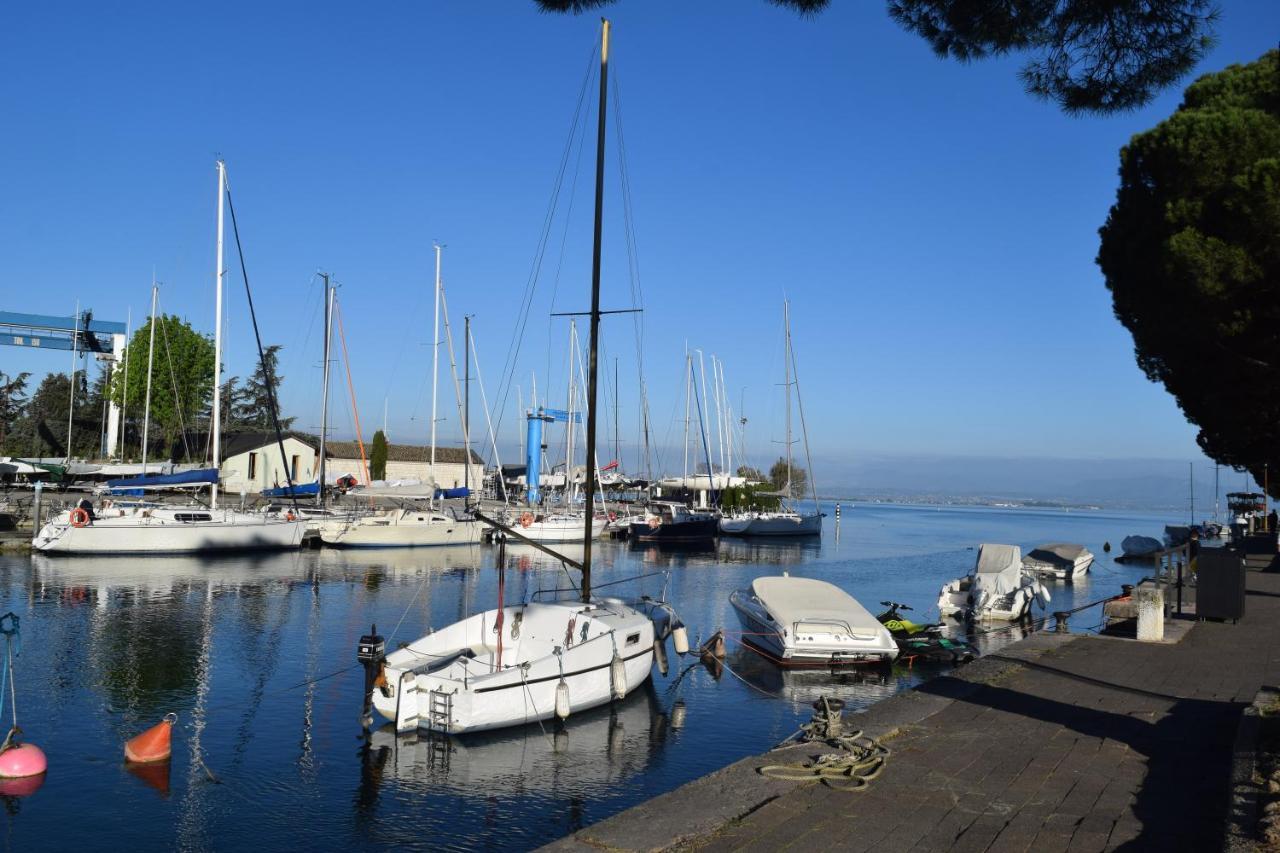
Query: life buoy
{"x": 289, "y": 516}
{"x": 613, "y": 516}
{"x": 79, "y": 517}
{"x": 526, "y": 519}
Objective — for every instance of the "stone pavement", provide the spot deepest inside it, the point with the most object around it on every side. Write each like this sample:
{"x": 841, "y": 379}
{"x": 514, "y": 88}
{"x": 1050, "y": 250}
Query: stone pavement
{"x": 1057, "y": 743}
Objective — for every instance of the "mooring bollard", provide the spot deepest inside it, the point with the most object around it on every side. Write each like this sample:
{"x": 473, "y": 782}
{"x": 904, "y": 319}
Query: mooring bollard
{"x": 1149, "y": 599}
{"x": 1060, "y": 626}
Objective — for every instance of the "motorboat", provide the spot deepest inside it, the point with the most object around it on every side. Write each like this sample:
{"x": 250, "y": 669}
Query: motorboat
{"x": 1059, "y": 560}
{"x": 556, "y": 527}
{"x": 401, "y": 528}
{"x": 671, "y": 521}
{"x": 799, "y": 621}
{"x": 145, "y": 528}
{"x": 1140, "y": 547}
{"x": 998, "y": 589}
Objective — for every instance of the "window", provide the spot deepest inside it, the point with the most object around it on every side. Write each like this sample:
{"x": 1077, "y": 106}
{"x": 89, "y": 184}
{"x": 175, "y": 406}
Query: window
{"x": 253, "y": 465}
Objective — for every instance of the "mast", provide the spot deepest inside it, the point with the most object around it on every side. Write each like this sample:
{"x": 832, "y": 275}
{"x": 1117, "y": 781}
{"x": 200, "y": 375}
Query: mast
{"x": 217, "y": 341}
{"x": 71, "y": 389}
{"x": 688, "y": 391}
{"x": 435, "y": 365}
{"x": 704, "y": 416}
{"x": 466, "y": 405}
{"x": 568, "y": 423}
{"x": 592, "y": 367}
{"x": 324, "y": 394}
{"x": 786, "y": 360}
{"x": 616, "y": 453}
{"x": 151, "y": 352}
{"x": 124, "y": 404}
{"x": 1216, "y": 492}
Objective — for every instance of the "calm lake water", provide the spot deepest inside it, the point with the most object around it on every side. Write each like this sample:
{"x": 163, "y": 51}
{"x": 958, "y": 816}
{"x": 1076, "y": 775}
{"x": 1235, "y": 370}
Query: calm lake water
{"x": 256, "y": 656}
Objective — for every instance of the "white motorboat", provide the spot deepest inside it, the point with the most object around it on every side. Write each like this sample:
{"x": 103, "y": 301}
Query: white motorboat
{"x": 150, "y": 529}
{"x": 799, "y": 621}
{"x": 1060, "y": 560}
{"x": 401, "y": 528}
{"x": 998, "y": 589}
{"x": 557, "y": 527}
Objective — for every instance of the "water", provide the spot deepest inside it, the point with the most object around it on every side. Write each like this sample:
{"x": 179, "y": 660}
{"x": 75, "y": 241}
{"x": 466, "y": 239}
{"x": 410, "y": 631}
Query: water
{"x": 255, "y": 655}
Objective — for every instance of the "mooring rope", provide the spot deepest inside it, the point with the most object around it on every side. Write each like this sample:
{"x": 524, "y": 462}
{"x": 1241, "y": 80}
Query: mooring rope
{"x": 860, "y": 759}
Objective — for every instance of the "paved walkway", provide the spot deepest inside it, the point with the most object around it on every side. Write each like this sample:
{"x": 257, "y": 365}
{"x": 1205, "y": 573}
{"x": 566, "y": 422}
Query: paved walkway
{"x": 1080, "y": 743}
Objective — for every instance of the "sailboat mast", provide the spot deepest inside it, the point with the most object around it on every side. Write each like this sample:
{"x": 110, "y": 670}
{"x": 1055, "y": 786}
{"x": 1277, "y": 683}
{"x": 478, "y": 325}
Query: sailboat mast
{"x": 568, "y": 423}
{"x": 466, "y": 405}
{"x": 151, "y": 352}
{"x": 688, "y": 392}
{"x": 324, "y": 394}
{"x": 786, "y": 360}
{"x": 435, "y": 365}
{"x": 592, "y": 367}
{"x": 217, "y": 339}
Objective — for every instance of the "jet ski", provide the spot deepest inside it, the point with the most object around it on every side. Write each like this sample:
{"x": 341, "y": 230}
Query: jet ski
{"x": 924, "y": 643}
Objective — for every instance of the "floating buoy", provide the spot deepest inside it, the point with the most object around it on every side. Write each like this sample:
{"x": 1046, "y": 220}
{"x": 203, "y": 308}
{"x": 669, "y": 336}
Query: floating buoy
{"x": 24, "y": 787}
{"x": 680, "y": 639}
{"x": 1106, "y": 547}
{"x": 22, "y": 761}
{"x": 153, "y": 744}
{"x": 618, "y": 676}
{"x": 562, "y": 700}
{"x": 678, "y": 711}
{"x": 660, "y": 655}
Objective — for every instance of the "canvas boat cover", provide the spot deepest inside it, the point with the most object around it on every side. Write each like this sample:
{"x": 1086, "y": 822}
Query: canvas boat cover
{"x": 199, "y": 476}
{"x": 1058, "y": 553}
{"x": 790, "y": 600}
{"x": 298, "y": 489}
{"x": 998, "y": 571}
{"x": 1140, "y": 546}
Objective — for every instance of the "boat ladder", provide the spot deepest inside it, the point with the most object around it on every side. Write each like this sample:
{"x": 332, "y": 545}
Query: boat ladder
{"x": 440, "y": 710}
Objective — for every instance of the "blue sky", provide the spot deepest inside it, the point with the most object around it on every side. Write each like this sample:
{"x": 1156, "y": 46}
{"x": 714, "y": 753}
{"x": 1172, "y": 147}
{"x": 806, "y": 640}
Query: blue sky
{"x": 934, "y": 226}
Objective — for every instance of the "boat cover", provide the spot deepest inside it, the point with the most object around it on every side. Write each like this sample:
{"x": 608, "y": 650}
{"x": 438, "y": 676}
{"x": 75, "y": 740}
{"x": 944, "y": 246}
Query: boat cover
{"x": 1140, "y": 546}
{"x": 298, "y": 489}
{"x": 197, "y": 477}
{"x": 1058, "y": 553}
{"x": 452, "y": 493}
{"x": 790, "y": 600}
{"x": 998, "y": 571}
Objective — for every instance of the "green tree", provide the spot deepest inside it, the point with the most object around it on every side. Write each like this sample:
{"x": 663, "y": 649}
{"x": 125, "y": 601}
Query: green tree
{"x": 252, "y": 408}
{"x": 752, "y": 474}
{"x": 1191, "y": 257}
{"x": 378, "y": 457}
{"x": 181, "y": 379}
{"x": 1097, "y": 56}
{"x": 13, "y": 402}
{"x": 42, "y": 431}
{"x": 778, "y": 477}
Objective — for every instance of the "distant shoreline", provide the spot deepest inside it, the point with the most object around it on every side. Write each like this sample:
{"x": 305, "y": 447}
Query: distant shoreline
{"x": 998, "y": 503}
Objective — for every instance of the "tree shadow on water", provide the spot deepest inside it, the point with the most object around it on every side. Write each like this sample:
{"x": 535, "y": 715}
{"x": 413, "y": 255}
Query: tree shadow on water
{"x": 1182, "y": 800}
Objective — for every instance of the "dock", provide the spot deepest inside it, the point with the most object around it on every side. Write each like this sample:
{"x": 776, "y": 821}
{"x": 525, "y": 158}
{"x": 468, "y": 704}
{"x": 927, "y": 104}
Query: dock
{"x": 1059, "y": 742}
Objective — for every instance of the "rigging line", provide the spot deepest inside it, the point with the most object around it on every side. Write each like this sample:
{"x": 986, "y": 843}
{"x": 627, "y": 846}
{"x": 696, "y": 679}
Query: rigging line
{"x": 269, "y": 384}
{"x": 513, "y": 349}
{"x": 177, "y": 400}
{"x": 804, "y": 430}
{"x": 484, "y": 401}
{"x": 351, "y": 389}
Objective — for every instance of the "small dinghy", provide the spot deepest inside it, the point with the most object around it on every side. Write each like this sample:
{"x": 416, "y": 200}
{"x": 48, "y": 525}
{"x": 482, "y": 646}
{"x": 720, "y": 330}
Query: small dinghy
{"x": 798, "y": 621}
{"x": 998, "y": 589}
{"x": 1060, "y": 560}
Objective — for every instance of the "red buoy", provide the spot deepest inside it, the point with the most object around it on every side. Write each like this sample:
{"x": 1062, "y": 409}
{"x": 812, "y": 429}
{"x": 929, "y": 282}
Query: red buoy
{"x": 153, "y": 744}
{"x": 22, "y": 761}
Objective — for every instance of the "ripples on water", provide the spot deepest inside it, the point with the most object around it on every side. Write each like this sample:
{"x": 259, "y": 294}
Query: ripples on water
{"x": 256, "y": 656}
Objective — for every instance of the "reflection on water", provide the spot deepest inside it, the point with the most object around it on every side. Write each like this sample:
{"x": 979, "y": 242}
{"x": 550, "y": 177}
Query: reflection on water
{"x": 255, "y": 653}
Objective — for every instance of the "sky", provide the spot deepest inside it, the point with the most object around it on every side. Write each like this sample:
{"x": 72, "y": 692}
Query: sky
{"x": 933, "y": 226}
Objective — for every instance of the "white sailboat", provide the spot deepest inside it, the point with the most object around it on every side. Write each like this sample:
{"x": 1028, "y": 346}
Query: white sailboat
{"x": 409, "y": 527}
{"x": 785, "y": 521}
{"x": 514, "y": 665}
{"x": 149, "y": 529}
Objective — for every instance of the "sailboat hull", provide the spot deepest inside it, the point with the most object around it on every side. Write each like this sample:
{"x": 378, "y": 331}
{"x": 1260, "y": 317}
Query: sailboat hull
{"x": 775, "y": 524}
{"x": 412, "y": 530}
{"x": 166, "y": 532}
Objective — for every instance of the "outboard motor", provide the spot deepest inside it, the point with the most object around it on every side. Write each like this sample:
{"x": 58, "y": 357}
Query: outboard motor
{"x": 370, "y": 653}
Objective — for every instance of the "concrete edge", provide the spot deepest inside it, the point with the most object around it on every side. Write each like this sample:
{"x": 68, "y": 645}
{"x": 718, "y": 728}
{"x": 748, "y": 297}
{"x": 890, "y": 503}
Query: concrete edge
{"x": 705, "y": 806}
{"x": 1245, "y": 808}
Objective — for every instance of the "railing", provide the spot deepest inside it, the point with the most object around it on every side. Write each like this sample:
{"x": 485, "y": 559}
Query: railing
{"x": 1171, "y": 565}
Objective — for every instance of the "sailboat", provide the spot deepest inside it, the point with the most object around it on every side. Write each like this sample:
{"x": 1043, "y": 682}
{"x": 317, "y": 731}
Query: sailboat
{"x": 785, "y": 521}
{"x": 515, "y": 665}
{"x": 410, "y": 526}
{"x": 148, "y": 528}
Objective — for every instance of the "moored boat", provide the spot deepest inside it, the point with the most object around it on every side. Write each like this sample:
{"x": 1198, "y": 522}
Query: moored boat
{"x": 669, "y": 521}
{"x": 998, "y": 589}
{"x": 401, "y": 528}
{"x": 798, "y": 621}
{"x": 1060, "y": 560}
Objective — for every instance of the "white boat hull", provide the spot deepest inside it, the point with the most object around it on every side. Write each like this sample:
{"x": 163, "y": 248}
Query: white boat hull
{"x": 161, "y": 532}
{"x": 787, "y": 649}
{"x": 1057, "y": 572}
{"x": 452, "y": 681}
{"x": 783, "y": 524}
{"x": 560, "y": 529}
{"x": 400, "y": 529}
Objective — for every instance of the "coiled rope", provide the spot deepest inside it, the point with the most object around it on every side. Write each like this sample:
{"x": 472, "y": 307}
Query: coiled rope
{"x": 860, "y": 759}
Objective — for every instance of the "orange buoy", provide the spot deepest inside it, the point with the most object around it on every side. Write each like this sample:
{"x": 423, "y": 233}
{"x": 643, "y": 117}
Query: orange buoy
{"x": 153, "y": 744}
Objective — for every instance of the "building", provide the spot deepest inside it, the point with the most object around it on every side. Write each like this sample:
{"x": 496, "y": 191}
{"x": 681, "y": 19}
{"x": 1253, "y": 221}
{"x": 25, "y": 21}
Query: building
{"x": 408, "y": 462}
{"x": 251, "y": 461}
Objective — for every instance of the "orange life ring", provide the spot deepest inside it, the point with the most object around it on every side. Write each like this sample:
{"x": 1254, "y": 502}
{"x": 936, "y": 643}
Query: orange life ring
{"x": 79, "y": 517}
{"x": 613, "y": 516}
{"x": 526, "y": 519}
{"x": 655, "y": 522}
{"x": 289, "y": 516}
